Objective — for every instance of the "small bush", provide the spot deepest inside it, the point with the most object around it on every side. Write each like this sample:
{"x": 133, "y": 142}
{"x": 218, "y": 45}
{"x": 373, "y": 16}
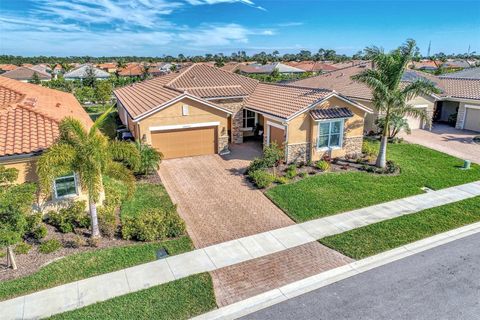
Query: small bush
{"x": 304, "y": 174}
{"x": 40, "y": 232}
{"x": 272, "y": 155}
{"x": 281, "y": 180}
{"x": 2, "y": 252}
{"x": 49, "y": 246}
{"x": 323, "y": 165}
{"x": 22, "y": 248}
{"x": 153, "y": 224}
{"x": 106, "y": 221}
{"x": 35, "y": 226}
{"x": 291, "y": 171}
{"x": 262, "y": 178}
{"x": 66, "y": 219}
{"x": 369, "y": 148}
{"x": 77, "y": 242}
{"x": 93, "y": 242}
{"x": 256, "y": 164}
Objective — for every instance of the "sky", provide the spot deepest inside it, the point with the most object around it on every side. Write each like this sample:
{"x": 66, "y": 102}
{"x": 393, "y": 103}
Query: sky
{"x": 196, "y": 27}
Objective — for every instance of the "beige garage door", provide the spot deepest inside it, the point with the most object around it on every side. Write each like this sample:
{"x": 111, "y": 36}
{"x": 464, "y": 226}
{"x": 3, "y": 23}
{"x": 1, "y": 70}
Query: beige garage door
{"x": 472, "y": 119}
{"x": 185, "y": 142}
{"x": 414, "y": 122}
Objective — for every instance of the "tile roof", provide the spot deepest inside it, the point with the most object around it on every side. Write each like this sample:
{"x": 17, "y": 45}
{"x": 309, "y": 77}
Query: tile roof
{"x": 313, "y": 66}
{"x": 470, "y": 73}
{"x": 8, "y": 67}
{"x": 81, "y": 72}
{"x": 198, "y": 80}
{"x": 30, "y": 115}
{"x": 284, "y": 100}
{"x": 231, "y": 66}
{"x": 462, "y": 88}
{"x": 340, "y": 81}
{"x": 25, "y": 73}
{"x": 331, "y": 113}
{"x": 268, "y": 68}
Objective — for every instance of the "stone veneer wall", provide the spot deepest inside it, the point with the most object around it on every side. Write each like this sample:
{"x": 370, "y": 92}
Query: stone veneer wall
{"x": 223, "y": 145}
{"x": 234, "y": 105}
{"x": 460, "y": 116}
{"x": 298, "y": 152}
{"x": 353, "y": 146}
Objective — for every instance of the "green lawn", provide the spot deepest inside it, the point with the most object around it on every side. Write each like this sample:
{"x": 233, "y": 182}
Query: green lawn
{"x": 89, "y": 264}
{"x": 331, "y": 193}
{"x": 180, "y": 299}
{"x": 375, "y": 238}
{"x": 147, "y": 196}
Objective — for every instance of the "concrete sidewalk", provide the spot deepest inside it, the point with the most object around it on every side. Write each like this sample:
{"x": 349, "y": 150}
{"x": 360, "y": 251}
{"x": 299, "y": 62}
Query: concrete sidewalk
{"x": 88, "y": 291}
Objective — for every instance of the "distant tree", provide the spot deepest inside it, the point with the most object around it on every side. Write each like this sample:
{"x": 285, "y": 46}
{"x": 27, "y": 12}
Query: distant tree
{"x": 66, "y": 67}
{"x": 219, "y": 62}
{"x": 103, "y": 92}
{"x": 145, "y": 70}
{"x": 173, "y": 67}
{"x": 35, "y": 79}
{"x": 275, "y": 73}
{"x": 358, "y": 55}
{"x": 330, "y": 54}
{"x": 16, "y": 202}
{"x": 121, "y": 64}
{"x": 90, "y": 78}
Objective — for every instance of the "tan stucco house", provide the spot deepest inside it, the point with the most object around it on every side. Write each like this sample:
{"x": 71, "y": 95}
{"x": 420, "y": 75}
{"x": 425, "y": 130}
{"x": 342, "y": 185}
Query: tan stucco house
{"x": 202, "y": 110}
{"x": 29, "y": 120}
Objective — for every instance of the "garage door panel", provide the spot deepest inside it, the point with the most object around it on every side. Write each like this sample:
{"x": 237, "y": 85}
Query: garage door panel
{"x": 472, "y": 119}
{"x": 185, "y": 142}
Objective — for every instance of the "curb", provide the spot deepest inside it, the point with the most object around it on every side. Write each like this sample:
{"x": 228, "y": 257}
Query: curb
{"x": 278, "y": 295}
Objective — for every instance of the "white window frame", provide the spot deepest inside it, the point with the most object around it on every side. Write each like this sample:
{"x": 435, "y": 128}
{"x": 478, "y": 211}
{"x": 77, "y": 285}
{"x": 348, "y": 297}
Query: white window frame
{"x": 67, "y": 195}
{"x": 244, "y": 119}
{"x": 330, "y": 121}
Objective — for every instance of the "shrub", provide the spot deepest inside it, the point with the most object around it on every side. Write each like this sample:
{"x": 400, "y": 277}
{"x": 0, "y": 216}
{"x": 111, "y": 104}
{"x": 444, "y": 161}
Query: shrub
{"x": 304, "y": 174}
{"x": 153, "y": 224}
{"x": 107, "y": 220}
{"x": 291, "y": 171}
{"x": 323, "y": 165}
{"x": 66, "y": 219}
{"x": 2, "y": 253}
{"x": 150, "y": 159}
{"x": 272, "y": 155}
{"x": 93, "y": 242}
{"x": 256, "y": 164}
{"x": 77, "y": 242}
{"x": 49, "y": 246}
{"x": 35, "y": 226}
{"x": 369, "y": 148}
{"x": 391, "y": 167}
{"x": 22, "y": 248}
{"x": 281, "y": 180}
{"x": 262, "y": 178}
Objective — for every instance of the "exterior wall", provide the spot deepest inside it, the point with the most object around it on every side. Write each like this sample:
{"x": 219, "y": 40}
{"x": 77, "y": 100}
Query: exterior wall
{"x": 197, "y": 113}
{"x": 26, "y": 167}
{"x": 303, "y": 131}
{"x": 462, "y": 113}
{"x": 235, "y": 106}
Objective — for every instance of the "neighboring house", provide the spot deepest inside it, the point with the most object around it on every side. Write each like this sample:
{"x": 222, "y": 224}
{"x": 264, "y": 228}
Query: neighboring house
{"x": 470, "y": 73}
{"x": 424, "y": 65}
{"x": 202, "y": 109}
{"x": 341, "y": 81}
{"x": 231, "y": 66}
{"x": 25, "y": 74}
{"x": 109, "y": 67}
{"x": 81, "y": 72}
{"x": 7, "y": 67}
{"x": 29, "y": 122}
{"x": 313, "y": 66}
{"x": 456, "y": 64}
{"x": 268, "y": 68}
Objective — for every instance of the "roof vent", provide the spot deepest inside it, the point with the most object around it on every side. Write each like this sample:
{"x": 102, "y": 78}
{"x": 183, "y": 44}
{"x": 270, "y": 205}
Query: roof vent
{"x": 31, "y": 102}
{"x": 58, "y": 105}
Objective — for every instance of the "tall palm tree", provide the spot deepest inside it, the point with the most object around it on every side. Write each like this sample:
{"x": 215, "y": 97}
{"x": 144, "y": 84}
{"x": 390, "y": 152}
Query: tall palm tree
{"x": 90, "y": 155}
{"x": 390, "y": 96}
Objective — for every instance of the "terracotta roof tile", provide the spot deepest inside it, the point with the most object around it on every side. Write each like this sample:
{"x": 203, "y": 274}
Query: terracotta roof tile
{"x": 284, "y": 100}
{"x": 26, "y": 73}
{"x": 30, "y": 114}
{"x": 331, "y": 113}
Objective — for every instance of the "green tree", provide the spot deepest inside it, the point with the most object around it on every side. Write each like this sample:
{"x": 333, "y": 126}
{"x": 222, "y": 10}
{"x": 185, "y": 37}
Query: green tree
{"x": 15, "y": 203}
{"x": 145, "y": 70}
{"x": 397, "y": 124}
{"x": 90, "y": 155}
{"x": 85, "y": 94}
{"x": 150, "y": 158}
{"x": 90, "y": 78}
{"x": 389, "y": 95}
{"x": 103, "y": 92}
{"x": 173, "y": 67}
{"x": 35, "y": 78}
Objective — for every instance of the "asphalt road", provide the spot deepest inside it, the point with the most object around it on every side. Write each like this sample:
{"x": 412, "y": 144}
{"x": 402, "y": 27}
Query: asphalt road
{"x": 441, "y": 283}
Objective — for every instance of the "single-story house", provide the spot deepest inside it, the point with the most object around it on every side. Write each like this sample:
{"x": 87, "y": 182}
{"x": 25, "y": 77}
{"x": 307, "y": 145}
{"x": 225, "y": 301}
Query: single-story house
{"x": 29, "y": 124}
{"x": 202, "y": 110}
{"x": 26, "y": 74}
{"x": 341, "y": 81}
{"x": 110, "y": 67}
{"x": 80, "y": 72}
{"x": 312, "y": 66}
{"x": 7, "y": 67}
{"x": 256, "y": 68}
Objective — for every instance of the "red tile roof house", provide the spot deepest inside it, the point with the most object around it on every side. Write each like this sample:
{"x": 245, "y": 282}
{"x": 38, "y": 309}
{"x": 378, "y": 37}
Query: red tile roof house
{"x": 29, "y": 120}
{"x": 203, "y": 109}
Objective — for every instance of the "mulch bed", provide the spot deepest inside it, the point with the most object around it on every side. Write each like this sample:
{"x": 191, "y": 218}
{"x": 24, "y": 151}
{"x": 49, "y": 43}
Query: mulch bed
{"x": 32, "y": 261}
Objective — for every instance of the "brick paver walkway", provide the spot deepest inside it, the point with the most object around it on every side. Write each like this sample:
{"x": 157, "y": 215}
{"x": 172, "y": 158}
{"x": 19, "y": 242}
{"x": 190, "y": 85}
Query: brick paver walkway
{"x": 216, "y": 202}
{"x": 247, "y": 279}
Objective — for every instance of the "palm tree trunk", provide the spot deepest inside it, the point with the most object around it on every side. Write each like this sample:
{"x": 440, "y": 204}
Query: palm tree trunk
{"x": 11, "y": 258}
{"x": 93, "y": 218}
{"x": 382, "y": 153}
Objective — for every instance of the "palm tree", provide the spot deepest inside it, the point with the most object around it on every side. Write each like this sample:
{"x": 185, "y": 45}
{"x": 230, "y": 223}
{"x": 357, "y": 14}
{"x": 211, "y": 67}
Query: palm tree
{"x": 390, "y": 96}
{"x": 90, "y": 155}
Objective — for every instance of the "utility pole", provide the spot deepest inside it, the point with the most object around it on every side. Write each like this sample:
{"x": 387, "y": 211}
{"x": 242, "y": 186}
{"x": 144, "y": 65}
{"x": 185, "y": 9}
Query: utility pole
{"x": 429, "y": 46}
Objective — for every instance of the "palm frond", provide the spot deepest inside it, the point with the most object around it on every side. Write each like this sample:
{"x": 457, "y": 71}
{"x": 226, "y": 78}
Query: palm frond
{"x": 420, "y": 86}
{"x": 72, "y": 131}
{"x": 125, "y": 152}
{"x": 100, "y": 120}
{"x": 58, "y": 160}
{"x": 119, "y": 172}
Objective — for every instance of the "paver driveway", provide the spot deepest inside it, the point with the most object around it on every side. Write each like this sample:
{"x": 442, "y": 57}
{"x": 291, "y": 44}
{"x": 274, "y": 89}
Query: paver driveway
{"x": 214, "y": 199}
{"x": 458, "y": 143}
{"x": 218, "y": 205}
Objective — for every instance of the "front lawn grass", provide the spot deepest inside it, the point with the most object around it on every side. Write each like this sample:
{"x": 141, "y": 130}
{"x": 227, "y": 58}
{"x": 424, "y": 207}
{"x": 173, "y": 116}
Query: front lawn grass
{"x": 180, "y": 299}
{"x": 88, "y": 264}
{"x": 331, "y": 193}
{"x": 382, "y": 236}
{"x": 147, "y": 196}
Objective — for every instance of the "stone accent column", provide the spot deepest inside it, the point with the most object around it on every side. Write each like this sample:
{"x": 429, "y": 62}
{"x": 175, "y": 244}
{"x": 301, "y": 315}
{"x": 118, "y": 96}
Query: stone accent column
{"x": 236, "y": 106}
{"x": 460, "y": 116}
{"x": 353, "y": 146}
{"x": 223, "y": 145}
{"x": 299, "y": 152}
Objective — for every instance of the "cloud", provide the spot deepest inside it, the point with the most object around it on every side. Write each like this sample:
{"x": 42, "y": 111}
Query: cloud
{"x": 211, "y": 2}
{"x": 290, "y": 24}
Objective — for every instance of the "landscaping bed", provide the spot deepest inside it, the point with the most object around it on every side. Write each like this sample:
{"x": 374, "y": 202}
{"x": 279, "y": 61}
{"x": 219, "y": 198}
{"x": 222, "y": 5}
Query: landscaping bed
{"x": 180, "y": 299}
{"x": 382, "y": 236}
{"x": 334, "y": 192}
